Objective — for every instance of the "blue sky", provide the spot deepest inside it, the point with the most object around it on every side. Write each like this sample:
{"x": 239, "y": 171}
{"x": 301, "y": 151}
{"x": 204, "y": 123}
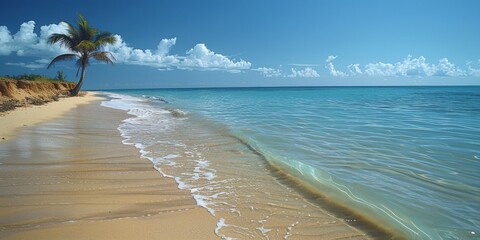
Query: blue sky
{"x": 255, "y": 43}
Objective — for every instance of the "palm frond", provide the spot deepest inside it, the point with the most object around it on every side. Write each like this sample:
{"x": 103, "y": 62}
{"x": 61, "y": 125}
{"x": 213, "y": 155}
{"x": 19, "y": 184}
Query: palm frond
{"x": 86, "y": 31}
{"x": 92, "y": 32}
{"x": 82, "y": 21}
{"x": 105, "y": 38}
{"x": 103, "y": 56}
{"x": 62, "y": 57}
{"x": 85, "y": 46}
{"x": 63, "y": 39}
{"x": 72, "y": 31}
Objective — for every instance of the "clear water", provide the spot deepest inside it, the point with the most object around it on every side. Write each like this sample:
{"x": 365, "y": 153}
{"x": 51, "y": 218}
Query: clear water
{"x": 406, "y": 158}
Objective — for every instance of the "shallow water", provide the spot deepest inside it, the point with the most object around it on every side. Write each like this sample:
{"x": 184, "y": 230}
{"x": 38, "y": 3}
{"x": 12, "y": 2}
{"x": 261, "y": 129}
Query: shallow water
{"x": 404, "y": 158}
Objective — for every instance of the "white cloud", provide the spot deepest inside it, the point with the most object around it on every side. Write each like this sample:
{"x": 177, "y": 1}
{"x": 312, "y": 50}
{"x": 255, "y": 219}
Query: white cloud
{"x": 164, "y": 46}
{"x": 45, "y": 32}
{"x": 41, "y": 63}
{"x": 306, "y": 73}
{"x": 202, "y": 58}
{"x": 28, "y": 43}
{"x": 333, "y": 71}
{"x": 128, "y": 55}
{"x": 445, "y": 68}
{"x": 408, "y": 67}
{"x": 119, "y": 49}
{"x": 331, "y": 68}
{"x": 354, "y": 69}
{"x": 6, "y": 40}
{"x": 380, "y": 69}
{"x": 330, "y": 58}
{"x": 25, "y": 35}
{"x": 474, "y": 68}
{"x": 414, "y": 67}
{"x": 197, "y": 58}
{"x": 269, "y": 72}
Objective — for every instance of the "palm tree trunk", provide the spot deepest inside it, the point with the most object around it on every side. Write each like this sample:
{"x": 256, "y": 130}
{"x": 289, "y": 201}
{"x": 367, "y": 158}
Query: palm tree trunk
{"x": 76, "y": 89}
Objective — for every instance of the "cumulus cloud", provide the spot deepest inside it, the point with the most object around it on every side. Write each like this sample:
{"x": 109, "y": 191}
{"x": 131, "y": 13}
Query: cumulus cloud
{"x": 331, "y": 68}
{"x": 164, "y": 46}
{"x": 408, "y": 67}
{"x": 354, "y": 69}
{"x": 330, "y": 58}
{"x": 197, "y": 58}
{"x": 306, "y": 73}
{"x": 6, "y": 40}
{"x": 412, "y": 67}
{"x": 202, "y": 58}
{"x": 380, "y": 69}
{"x": 446, "y": 68}
{"x": 28, "y": 43}
{"x": 269, "y": 72}
{"x": 158, "y": 58}
{"x": 474, "y": 68}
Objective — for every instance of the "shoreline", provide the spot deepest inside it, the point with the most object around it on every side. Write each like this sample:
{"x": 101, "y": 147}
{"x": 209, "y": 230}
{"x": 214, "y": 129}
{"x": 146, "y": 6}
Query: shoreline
{"x": 70, "y": 176}
{"x": 273, "y": 206}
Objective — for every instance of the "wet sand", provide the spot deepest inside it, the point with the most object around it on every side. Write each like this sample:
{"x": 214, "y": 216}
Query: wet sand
{"x": 72, "y": 178}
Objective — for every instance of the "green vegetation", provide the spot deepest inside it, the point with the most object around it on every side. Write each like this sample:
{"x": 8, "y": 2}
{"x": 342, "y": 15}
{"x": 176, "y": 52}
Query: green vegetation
{"x": 33, "y": 77}
{"x": 60, "y": 76}
{"x": 85, "y": 42}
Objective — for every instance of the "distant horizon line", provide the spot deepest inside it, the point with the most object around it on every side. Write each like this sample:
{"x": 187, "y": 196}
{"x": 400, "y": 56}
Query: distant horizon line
{"x": 306, "y": 86}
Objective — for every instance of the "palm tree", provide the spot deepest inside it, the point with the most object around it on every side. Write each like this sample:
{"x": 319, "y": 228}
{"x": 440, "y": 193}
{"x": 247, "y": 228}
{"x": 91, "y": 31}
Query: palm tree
{"x": 84, "y": 42}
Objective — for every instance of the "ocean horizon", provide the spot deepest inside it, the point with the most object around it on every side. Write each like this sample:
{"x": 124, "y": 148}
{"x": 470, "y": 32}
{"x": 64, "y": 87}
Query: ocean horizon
{"x": 280, "y": 87}
{"x": 397, "y": 162}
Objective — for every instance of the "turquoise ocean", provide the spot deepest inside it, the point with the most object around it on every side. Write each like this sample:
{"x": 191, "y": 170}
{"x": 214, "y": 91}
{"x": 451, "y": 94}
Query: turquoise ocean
{"x": 405, "y": 159}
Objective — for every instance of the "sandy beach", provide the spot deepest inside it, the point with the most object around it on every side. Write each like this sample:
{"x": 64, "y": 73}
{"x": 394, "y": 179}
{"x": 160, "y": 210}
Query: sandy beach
{"x": 65, "y": 174}
{"x": 13, "y": 121}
